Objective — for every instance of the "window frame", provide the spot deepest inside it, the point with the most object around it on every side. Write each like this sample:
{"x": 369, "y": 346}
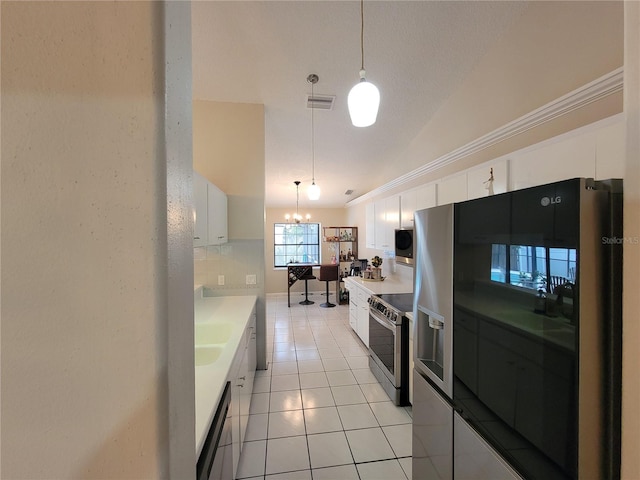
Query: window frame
{"x": 313, "y": 245}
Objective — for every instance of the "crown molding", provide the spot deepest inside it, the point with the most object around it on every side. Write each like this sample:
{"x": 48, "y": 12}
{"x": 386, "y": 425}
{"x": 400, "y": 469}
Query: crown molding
{"x": 593, "y": 91}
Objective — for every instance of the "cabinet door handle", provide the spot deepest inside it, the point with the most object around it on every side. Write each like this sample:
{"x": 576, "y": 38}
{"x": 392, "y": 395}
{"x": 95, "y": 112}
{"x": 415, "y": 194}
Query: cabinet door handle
{"x": 242, "y": 378}
{"x": 196, "y": 238}
{"x": 241, "y": 385}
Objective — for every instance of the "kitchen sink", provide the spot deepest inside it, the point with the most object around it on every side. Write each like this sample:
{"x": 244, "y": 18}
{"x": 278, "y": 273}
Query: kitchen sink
{"x": 207, "y": 354}
{"x": 208, "y": 333}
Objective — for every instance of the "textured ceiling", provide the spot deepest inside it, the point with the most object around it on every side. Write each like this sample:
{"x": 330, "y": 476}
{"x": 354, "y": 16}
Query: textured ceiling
{"x": 416, "y": 52}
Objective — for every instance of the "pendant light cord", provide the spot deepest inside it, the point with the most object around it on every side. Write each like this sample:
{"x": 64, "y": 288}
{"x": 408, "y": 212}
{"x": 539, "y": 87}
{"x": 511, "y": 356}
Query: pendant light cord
{"x": 362, "y": 34}
{"x": 313, "y": 150}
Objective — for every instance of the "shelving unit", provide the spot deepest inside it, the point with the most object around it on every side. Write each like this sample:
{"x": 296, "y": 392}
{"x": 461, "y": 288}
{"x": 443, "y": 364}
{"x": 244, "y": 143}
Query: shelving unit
{"x": 345, "y": 251}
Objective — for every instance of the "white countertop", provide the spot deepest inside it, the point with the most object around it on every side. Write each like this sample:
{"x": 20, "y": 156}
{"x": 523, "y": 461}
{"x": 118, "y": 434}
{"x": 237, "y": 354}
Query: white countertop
{"x": 210, "y": 379}
{"x": 388, "y": 285}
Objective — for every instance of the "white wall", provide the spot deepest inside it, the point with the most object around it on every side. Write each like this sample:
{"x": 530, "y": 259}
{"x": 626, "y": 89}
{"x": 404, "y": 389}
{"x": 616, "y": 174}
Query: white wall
{"x": 96, "y": 226}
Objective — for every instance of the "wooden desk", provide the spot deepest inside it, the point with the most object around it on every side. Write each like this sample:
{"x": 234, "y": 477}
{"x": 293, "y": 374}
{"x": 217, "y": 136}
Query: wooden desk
{"x": 295, "y": 271}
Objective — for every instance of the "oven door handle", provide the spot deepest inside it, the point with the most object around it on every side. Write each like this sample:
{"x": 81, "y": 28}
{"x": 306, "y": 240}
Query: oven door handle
{"x": 385, "y": 323}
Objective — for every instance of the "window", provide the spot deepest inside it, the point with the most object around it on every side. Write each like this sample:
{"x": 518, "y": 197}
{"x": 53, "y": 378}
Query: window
{"x": 296, "y": 243}
{"x": 533, "y": 267}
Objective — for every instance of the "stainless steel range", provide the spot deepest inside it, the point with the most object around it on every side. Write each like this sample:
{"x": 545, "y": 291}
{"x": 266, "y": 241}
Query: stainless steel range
{"x": 389, "y": 343}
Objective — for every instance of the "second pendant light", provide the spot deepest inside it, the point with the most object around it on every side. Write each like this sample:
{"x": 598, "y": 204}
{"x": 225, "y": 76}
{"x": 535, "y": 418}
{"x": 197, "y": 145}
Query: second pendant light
{"x": 314, "y": 190}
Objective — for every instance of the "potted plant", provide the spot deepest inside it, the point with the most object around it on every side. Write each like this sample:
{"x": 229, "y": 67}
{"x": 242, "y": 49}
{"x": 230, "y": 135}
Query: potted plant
{"x": 376, "y": 272}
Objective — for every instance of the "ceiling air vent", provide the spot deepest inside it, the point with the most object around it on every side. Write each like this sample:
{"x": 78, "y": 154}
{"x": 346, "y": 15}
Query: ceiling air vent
{"x": 321, "y": 102}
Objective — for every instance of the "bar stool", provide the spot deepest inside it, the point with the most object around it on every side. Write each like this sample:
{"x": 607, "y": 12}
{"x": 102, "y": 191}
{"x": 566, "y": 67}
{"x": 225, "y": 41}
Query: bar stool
{"x": 306, "y": 277}
{"x": 328, "y": 273}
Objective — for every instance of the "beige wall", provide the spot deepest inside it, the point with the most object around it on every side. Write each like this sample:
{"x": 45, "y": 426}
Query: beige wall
{"x": 95, "y": 229}
{"x": 276, "y": 279}
{"x": 228, "y": 150}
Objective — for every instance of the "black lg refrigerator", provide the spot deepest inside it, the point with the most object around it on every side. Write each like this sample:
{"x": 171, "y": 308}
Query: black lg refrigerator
{"x": 517, "y": 341}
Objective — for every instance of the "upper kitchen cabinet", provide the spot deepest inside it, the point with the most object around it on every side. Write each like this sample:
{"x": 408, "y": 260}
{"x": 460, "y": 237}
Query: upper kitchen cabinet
{"x": 555, "y": 161}
{"x": 415, "y": 199}
{"x": 387, "y": 219}
{"x": 407, "y": 207}
{"x": 452, "y": 189}
{"x": 426, "y": 196}
{"x": 210, "y": 215}
{"x": 217, "y": 215}
{"x": 200, "y": 229}
{"x": 370, "y": 225}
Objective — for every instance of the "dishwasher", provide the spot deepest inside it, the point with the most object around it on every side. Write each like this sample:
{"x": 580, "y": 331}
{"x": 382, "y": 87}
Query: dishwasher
{"x": 216, "y": 459}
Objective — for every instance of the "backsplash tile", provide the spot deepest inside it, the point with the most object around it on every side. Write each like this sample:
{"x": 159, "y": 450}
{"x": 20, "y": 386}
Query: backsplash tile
{"x": 235, "y": 260}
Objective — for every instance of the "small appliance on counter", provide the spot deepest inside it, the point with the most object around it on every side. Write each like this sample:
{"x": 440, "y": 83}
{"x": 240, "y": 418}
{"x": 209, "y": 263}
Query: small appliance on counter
{"x": 389, "y": 343}
{"x": 358, "y": 266}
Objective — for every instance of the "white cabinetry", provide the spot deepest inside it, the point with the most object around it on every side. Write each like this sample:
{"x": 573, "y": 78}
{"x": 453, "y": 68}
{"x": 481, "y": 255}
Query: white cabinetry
{"x": 574, "y": 157}
{"x": 353, "y": 311}
{"x": 370, "y": 225}
{"x": 217, "y": 215}
{"x": 359, "y": 311}
{"x": 200, "y": 232}
{"x": 241, "y": 376}
{"x": 363, "y": 321}
{"x": 210, "y": 213}
{"x": 415, "y": 199}
{"x": 408, "y": 202}
{"x": 426, "y": 196}
{"x": 452, "y": 189}
{"x": 387, "y": 218}
{"x": 379, "y": 226}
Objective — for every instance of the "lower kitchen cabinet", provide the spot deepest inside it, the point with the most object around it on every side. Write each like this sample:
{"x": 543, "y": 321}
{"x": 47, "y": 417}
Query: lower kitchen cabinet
{"x": 241, "y": 376}
{"x": 359, "y": 311}
{"x": 363, "y": 322}
{"x": 353, "y": 312}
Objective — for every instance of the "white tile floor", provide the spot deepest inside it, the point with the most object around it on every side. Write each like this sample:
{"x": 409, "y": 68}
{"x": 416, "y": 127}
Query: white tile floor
{"x": 318, "y": 413}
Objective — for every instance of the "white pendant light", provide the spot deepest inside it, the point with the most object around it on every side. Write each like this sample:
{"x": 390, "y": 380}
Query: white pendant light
{"x": 364, "y": 97}
{"x": 314, "y": 190}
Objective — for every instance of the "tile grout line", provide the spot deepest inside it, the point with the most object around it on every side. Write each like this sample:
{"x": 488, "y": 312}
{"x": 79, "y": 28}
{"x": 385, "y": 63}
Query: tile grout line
{"x": 315, "y": 334}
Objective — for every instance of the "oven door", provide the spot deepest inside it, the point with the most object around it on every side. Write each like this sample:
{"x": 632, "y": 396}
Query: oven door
{"x": 384, "y": 346}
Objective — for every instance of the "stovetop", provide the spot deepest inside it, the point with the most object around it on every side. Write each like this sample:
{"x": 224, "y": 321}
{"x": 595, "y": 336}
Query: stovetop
{"x": 402, "y": 302}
